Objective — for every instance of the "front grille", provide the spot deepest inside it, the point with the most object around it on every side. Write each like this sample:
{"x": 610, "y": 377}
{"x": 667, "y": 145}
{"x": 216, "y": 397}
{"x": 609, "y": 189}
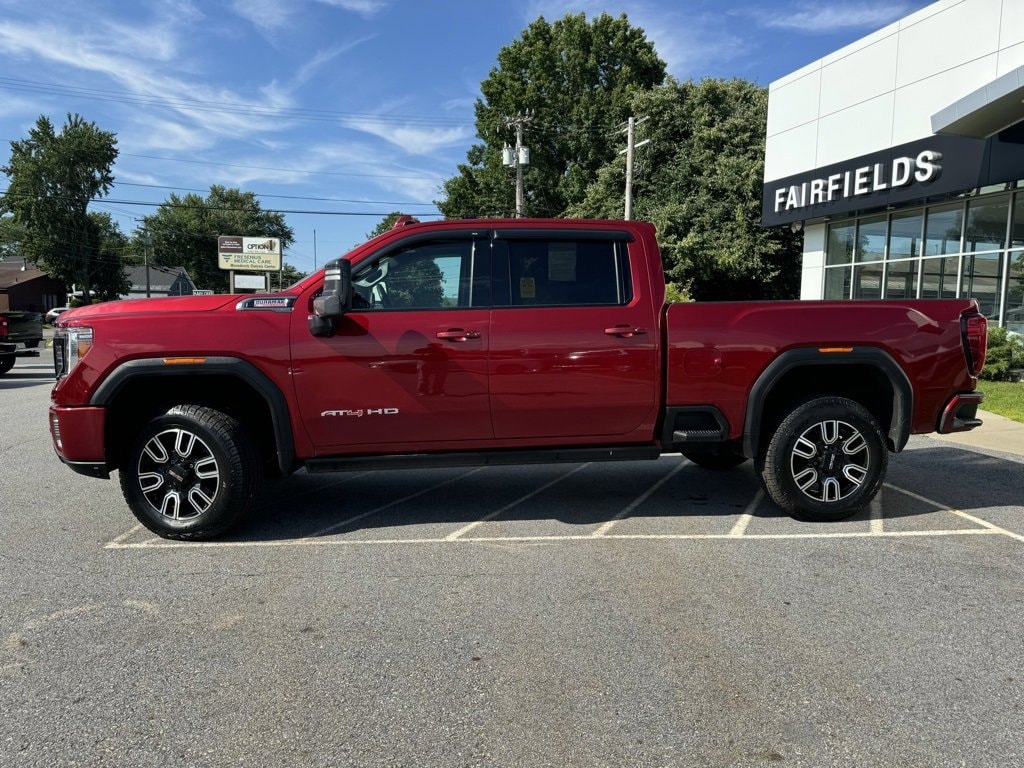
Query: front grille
{"x": 60, "y": 357}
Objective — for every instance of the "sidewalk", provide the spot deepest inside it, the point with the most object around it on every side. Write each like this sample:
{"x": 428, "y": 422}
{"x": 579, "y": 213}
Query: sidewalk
{"x": 996, "y": 434}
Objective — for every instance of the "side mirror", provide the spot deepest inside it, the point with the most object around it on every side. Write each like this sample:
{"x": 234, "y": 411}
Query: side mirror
{"x": 335, "y": 300}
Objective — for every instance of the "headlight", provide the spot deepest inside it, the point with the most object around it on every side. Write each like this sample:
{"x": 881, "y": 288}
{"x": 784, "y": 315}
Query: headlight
{"x": 74, "y": 342}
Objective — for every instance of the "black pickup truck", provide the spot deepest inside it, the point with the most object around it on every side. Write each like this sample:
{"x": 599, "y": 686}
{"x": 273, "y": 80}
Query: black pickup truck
{"x": 20, "y": 334}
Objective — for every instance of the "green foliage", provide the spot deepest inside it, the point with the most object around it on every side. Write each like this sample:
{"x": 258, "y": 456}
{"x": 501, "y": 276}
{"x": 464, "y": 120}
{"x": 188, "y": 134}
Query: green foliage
{"x": 1005, "y": 358}
{"x": 11, "y": 237}
{"x": 52, "y": 178}
{"x": 575, "y": 79}
{"x": 676, "y": 294}
{"x": 109, "y": 280}
{"x": 384, "y": 225}
{"x": 184, "y": 231}
{"x": 699, "y": 182}
{"x": 1005, "y": 398}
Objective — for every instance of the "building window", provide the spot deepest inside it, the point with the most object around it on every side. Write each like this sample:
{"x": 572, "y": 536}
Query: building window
{"x": 841, "y": 238}
{"x": 905, "y": 235}
{"x": 973, "y": 248}
{"x": 943, "y": 229}
{"x": 871, "y": 235}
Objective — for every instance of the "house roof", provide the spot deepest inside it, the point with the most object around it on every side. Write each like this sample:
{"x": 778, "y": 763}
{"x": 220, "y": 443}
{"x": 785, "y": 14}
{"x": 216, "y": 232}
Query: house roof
{"x": 160, "y": 278}
{"x": 11, "y": 273}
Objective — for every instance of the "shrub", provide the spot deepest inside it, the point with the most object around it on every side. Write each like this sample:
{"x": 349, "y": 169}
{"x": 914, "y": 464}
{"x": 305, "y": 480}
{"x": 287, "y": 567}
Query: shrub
{"x": 1005, "y": 357}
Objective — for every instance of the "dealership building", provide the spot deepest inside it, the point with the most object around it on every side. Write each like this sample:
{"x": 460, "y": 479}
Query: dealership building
{"x": 901, "y": 160}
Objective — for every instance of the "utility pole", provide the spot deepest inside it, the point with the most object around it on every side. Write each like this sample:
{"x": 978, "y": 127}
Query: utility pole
{"x": 631, "y": 145}
{"x": 147, "y": 241}
{"x": 518, "y": 157}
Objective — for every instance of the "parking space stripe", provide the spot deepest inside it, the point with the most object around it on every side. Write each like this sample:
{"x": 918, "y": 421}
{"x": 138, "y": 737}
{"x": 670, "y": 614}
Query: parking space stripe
{"x": 338, "y": 526}
{"x": 987, "y": 524}
{"x": 605, "y": 527}
{"x": 127, "y": 534}
{"x": 156, "y": 543}
{"x": 740, "y": 528}
{"x": 520, "y": 500}
{"x": 876, "y": 516}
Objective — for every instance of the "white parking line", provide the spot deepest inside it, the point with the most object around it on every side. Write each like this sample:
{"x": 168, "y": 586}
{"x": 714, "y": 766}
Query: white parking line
{"x": 740, "y": 529}
{"x": 738, "y": 532}
{"x": 639, "y": 500}
{"x": 338, "y": 526}
{"x": 517, "y": 502}
{"x": 308, "y": 541}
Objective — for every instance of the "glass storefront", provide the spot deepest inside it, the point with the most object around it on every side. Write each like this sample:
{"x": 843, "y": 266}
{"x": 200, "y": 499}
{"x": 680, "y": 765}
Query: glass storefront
{"x": 970, "y": 248}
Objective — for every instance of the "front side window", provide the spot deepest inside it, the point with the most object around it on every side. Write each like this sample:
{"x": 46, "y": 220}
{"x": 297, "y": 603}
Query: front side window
{"x": 432, "y": 275}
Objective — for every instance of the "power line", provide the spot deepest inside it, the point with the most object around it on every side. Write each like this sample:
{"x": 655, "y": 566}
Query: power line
{"x": 284, "y": 197}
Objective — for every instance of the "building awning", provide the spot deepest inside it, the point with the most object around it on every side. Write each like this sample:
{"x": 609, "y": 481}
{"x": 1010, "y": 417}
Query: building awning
{"x": 986, "y": 111}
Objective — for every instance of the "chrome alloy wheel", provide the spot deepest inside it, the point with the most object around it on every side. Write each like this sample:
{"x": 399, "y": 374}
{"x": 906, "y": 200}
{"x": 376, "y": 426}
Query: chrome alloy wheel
{"x": 829, "y": 461}
{"x": 178, "y": 474}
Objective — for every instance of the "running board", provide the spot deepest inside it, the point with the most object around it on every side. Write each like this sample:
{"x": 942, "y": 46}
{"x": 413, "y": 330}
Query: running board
{"x": 483, "y": 458}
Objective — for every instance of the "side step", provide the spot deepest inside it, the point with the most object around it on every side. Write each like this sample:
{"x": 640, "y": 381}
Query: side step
{"x": 484, "y": 458}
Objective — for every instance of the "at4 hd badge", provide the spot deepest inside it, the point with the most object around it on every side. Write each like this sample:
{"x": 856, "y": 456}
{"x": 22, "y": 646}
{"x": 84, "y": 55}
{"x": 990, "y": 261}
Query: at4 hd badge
{"x": 358, "y": 412}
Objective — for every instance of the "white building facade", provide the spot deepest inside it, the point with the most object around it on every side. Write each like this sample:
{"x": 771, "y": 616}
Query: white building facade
{"x": 901, "y": 158}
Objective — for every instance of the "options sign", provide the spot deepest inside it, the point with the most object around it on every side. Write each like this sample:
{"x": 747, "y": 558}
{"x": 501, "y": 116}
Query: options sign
{"x": 249, "y": 254}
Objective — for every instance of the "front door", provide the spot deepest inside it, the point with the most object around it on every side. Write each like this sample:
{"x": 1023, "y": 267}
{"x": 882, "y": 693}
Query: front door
{"x": 407, "y": 368}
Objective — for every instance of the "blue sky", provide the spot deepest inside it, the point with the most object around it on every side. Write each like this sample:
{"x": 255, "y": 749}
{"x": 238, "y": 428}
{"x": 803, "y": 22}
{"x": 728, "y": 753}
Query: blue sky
{"x": 356, "y": 106}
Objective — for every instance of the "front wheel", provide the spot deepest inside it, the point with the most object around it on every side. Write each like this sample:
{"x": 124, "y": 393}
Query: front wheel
{"x": 826, "y": 460}
{"x": 190, "y": 474}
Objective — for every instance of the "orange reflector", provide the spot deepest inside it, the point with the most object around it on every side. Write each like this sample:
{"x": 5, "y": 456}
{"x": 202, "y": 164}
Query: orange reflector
{"x": 835, "y": 349}
{"x": 184, "y": 360}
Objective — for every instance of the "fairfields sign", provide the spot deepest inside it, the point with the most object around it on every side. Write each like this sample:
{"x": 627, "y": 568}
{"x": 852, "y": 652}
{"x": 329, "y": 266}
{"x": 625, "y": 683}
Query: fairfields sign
{"x": 860, "y": 181}
{"x": 931, "y": 168}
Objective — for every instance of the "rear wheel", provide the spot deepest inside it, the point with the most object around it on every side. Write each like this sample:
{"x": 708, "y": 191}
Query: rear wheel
{"x": 825, "y": 461}
{"x": 190, "y": 474}
{"x": 6, "y": 363}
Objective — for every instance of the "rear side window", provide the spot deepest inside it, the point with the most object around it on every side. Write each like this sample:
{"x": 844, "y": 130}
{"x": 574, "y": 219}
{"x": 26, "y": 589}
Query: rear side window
{"x": 563, "y": 273}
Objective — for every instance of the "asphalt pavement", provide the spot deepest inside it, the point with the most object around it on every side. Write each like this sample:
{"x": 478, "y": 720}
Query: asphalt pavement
{"x": 625, "y": 614}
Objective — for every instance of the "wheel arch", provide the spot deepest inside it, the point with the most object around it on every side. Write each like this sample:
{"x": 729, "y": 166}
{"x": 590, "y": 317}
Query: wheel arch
{"x": 141, "y": 389}
{"x": 797, "y": 375}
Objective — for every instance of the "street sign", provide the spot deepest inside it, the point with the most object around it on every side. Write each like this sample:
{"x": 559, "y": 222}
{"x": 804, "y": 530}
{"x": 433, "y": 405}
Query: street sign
{"x": 250, "y": 254}
{"x": 251, "y": 282}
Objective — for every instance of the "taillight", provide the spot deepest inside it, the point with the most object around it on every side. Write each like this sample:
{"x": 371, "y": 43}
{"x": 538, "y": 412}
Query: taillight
{"x": 974, "y": 329}
{"x": 3, "y": 326}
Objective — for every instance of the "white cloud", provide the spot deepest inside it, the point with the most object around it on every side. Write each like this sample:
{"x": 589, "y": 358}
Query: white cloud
{"x": 829, "y": 18}
{"x": 414, "y": 140}
{"x": 364, "y": 7}
{"x": 265, "y": 14}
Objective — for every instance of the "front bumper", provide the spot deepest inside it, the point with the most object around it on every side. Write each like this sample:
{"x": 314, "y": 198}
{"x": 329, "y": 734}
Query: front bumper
{"x": 78, "y": 438}
{"x": 960, "y": 413}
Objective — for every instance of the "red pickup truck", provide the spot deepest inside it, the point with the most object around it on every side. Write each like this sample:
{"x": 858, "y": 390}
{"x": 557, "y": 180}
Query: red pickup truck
{"x": 490, "y": 342}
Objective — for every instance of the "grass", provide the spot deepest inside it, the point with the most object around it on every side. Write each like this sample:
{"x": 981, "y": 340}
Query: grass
{"x": 1004, "y": 397}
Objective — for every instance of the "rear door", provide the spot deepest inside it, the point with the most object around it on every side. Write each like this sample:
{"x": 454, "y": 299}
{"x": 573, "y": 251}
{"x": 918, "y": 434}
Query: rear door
{"x": 574, "y": 337}
{"x": 407, "y": 366}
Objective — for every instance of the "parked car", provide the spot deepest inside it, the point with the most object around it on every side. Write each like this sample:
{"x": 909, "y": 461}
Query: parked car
{"x": 53, "y": 314}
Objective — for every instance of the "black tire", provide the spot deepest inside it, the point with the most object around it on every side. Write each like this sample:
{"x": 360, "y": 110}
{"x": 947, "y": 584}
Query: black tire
{"x": 717, "y": 459}
{"x": 6, "y": 363}
{"x": 190, "y": 474}
{"x": 826, "y": 461}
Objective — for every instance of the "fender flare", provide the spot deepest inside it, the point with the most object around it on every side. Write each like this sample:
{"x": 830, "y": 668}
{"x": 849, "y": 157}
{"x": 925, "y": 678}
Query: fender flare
{"x": 231, "y": 366}
{"x": 810, "y": 357}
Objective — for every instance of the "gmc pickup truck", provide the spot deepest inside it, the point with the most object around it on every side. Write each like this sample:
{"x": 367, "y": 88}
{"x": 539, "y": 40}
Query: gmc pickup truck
{"x": 20, "y": 334}
{"x": 484, "y": 342}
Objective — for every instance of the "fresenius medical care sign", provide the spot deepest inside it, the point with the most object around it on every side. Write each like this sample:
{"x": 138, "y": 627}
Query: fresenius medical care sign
{"x": 249, "y": 254}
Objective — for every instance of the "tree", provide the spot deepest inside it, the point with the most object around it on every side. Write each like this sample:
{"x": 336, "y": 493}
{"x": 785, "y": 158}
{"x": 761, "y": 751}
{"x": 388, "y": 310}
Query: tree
{"x": 184, "y": 230}
{"x": 11, "y": 237}
{"x": 384, "y": 225}
{"x": 52, "y": 178}
{"x": 106, "y": 267}
{"x": 700, "y": 182}
{"x": 574, "y": 78}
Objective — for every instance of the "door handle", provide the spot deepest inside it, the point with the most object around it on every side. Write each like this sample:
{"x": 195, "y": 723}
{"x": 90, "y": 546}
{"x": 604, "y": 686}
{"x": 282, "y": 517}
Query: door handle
{"x": 625, "y": 331}
{"x": 457, "y": 334}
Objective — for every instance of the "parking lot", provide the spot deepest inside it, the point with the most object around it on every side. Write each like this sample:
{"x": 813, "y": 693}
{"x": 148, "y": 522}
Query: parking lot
{"x": 634, "y": 613}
